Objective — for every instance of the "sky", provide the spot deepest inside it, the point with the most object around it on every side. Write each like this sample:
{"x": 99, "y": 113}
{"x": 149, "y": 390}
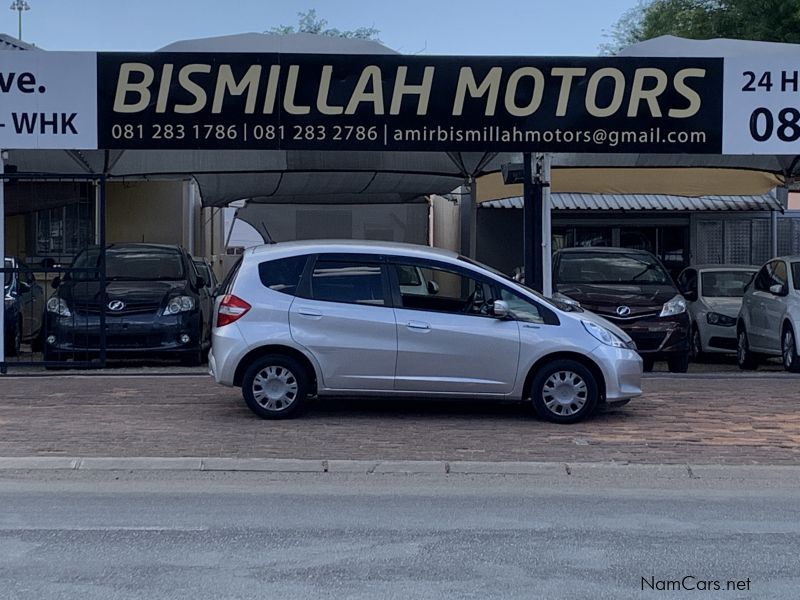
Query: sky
{"x": 510, "y": 27}
{"x": 469, "y": 27}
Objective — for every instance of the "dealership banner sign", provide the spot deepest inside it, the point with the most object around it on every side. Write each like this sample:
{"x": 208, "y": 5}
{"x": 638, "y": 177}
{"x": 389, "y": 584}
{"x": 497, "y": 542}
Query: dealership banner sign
{"x": 69, "y": 100}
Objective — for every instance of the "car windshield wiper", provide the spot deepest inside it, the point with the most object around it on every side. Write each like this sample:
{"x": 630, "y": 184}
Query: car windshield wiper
{"x": 647, "y": 268}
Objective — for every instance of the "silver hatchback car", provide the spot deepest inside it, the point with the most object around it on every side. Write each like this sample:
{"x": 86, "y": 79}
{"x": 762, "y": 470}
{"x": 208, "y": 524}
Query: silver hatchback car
{"x": 343, "y": 318}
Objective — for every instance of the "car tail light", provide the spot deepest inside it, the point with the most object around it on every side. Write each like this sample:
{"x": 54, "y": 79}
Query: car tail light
{"x": 231, "y": 309}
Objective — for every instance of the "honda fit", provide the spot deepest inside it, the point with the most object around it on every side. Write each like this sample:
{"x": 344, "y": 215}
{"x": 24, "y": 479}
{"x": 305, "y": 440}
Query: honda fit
{"x": 328, "y": 318}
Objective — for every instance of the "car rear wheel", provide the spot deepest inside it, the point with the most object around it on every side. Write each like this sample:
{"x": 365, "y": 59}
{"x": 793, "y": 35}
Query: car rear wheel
{"x": 564, "y": 391}
{"x": 275, "y": 387}
{"x": 744, "y": 357}
{"x": 791, "y": 360}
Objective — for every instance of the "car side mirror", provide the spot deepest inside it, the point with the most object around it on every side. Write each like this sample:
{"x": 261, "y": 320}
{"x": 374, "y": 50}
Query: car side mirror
{"x": 690, "y": 295}
{"x": 55, "y": 283}
{"x": 433, "y": 288}
{"x": 500, "y": 309}
{"x": 23, "y": 287}
{"x": 199, "y": 283}
{"x": 777, "y": 289}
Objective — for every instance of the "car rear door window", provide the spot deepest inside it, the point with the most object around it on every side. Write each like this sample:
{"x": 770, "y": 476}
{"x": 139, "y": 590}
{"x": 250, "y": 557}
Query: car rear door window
{"x": 796, "y": 275}
{"x": 352, "y": 282}
{"x": 282, "y": 275}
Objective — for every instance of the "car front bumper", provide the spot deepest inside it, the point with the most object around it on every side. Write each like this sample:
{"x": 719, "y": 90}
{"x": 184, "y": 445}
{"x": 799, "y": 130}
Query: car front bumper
{"x": 622, "y": 372}
{"x": 148, "y": 334}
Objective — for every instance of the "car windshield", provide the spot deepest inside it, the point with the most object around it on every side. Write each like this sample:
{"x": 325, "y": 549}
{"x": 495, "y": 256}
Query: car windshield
{"x": 132, "y": 264}
{"x": 613, "y": 268}
{"x": 725, "y": 284}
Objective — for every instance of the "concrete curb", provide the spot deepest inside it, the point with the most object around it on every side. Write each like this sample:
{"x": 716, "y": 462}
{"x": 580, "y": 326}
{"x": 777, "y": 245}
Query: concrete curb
{"x": 405, "y": 467}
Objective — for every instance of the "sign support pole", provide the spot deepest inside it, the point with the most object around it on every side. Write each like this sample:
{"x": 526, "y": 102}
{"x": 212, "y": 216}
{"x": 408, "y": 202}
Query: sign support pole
{"x": 3, "y": 263}
{"x": 531, "y": 213}
{"x": 547, "y": 236}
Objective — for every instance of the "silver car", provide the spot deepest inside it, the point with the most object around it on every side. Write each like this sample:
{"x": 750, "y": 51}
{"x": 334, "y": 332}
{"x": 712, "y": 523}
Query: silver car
{"x": 769, "y": 320}
{"x": 333, "y": 318}
{"x": 714, "y": 296}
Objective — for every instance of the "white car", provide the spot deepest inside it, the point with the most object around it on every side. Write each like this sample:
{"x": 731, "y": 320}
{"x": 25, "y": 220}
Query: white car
{"x": 714, "y": 297}
{"x": 769, "y": 320}
{"x": 332, "y": 318}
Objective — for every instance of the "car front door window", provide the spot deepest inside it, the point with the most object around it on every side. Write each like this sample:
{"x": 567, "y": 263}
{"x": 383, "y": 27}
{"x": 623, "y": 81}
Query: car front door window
{"x": 520, "y": 308}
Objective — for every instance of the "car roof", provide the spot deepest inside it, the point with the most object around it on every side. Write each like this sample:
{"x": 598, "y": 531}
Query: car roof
{"x": 347, "y": 247}
{"x": 601, "y": 249}
{"x": 143, "y": 246}
{"x": 710, "y": 267}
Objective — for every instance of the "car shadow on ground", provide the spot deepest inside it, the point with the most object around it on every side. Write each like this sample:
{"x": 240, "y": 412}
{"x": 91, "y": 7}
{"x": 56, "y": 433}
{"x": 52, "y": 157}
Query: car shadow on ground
{"x": 451, "y": 408}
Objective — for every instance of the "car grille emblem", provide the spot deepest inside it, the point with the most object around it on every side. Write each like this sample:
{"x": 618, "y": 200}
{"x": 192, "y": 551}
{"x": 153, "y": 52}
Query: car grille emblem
{"x": 623, "y": 311}
{"x": 116, "y": 305}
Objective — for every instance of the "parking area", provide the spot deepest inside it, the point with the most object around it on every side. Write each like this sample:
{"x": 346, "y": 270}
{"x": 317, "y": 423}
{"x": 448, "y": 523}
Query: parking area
{"x": 724, "y": 418}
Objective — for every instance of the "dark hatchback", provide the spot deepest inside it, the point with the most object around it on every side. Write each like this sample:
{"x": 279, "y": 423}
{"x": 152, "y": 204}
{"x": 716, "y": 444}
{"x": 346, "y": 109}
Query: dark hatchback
{"x": 155, "y": 306}
{"x": 633, "y": 290}
{"x": 23, "y": 298}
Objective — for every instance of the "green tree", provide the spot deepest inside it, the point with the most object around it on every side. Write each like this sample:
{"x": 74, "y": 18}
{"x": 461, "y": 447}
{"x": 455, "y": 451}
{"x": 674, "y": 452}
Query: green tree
{"x": 766, "y": 20}
{"x": 309, "y": 22}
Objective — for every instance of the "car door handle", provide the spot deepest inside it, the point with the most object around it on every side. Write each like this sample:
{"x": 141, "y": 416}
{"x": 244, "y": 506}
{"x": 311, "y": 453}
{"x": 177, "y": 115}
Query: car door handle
{"x": 309, "y": 312}
{"x": 417, "y": 325}
{"x": 529, "y": 326}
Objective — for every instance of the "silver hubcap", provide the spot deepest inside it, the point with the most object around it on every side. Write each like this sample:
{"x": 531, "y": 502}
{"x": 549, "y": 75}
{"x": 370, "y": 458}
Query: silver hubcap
{"x": 564, "y": 393}
{"x": 788, "y": 348}
{"x": 275, "y": 388}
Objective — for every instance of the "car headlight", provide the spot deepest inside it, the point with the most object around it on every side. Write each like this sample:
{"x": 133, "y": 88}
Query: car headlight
{"x": 721, "y": 320}
{"x": 603, "y": 335}
{"x": 179, "y": 304}
{"x": 58, "y": 306}
{"x": 675, "y": 306}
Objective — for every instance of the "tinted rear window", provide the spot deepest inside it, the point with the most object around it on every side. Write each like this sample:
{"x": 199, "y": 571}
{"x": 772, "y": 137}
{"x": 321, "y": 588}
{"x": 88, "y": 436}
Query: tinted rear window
{"x": 352, "y": 282}
{"x": 282, "y": 275}
{"x": 796, "y": 275}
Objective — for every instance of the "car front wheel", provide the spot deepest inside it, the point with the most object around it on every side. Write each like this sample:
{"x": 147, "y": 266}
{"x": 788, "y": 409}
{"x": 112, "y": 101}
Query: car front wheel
{"x": 744, "y": 357}
{"x": 678, "y": 364}
{"x": 13, "y": 346}
{"x": 275, "y": 387}
{"x": 696, "y": 346}
{"x": 564, "y": 391}
{"x": 791, "y": 360}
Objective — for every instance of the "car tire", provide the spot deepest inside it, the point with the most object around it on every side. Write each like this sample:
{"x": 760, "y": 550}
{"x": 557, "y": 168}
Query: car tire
{"x": 192, "y": 359}
{"x": 746, "y": 359}
{"x": 15, "y": 344}
{"x": 696, "y": 345}
{"x": 275, "y": 386}
{"x": 678, "y": 364}
{"x": 648, "y": 364}
{"x": 791, "y": 359}
{"x": 564, "y": 391}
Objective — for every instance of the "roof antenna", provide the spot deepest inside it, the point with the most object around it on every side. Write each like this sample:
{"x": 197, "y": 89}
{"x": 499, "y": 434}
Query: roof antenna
{"x": 269, "y": 236}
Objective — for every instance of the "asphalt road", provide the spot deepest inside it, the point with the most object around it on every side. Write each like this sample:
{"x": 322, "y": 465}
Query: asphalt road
{"x": 109, "y": 536}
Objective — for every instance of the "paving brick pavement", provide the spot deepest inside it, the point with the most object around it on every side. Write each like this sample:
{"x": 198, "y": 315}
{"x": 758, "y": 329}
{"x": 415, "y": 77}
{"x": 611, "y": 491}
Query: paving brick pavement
{"x": 727, "y": 419}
